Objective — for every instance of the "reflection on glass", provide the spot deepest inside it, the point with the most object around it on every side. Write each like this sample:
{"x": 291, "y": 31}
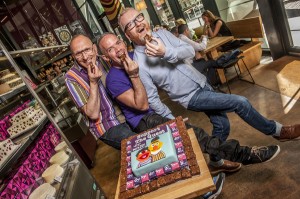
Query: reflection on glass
{"x": 192, "y": 10}
{"x": 292, "y": 10}
{"x": 164, "y": 12}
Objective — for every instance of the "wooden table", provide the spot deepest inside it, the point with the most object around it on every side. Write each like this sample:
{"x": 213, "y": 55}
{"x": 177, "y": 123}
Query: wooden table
{"x": 212, "y": 52}
{"x": 189, "y": 188}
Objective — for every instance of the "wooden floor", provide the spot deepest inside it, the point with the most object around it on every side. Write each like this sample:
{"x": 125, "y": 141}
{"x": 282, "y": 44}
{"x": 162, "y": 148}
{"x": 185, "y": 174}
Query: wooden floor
{"x": 276, "y": 96}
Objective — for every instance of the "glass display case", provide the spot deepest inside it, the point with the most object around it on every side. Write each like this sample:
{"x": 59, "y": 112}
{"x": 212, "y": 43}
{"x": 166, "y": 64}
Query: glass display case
{"x": 36, "y": 158}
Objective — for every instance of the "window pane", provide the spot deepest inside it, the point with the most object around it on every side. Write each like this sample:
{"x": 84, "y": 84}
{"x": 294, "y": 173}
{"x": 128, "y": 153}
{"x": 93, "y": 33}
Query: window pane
{"x": 292, "y": 10}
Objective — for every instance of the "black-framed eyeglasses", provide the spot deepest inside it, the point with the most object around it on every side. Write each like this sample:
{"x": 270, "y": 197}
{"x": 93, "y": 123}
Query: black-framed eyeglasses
{"x": 79, "y": 55}
{"x": 132, "y": 23}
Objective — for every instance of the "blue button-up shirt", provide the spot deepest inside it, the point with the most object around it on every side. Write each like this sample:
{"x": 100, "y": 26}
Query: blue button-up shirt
{"x": 179, "y": 80}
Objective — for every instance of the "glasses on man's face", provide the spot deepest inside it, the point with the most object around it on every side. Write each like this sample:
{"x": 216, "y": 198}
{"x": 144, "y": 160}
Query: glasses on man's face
{"x": 79, "y": 55}
{"x": 132, "y": 23}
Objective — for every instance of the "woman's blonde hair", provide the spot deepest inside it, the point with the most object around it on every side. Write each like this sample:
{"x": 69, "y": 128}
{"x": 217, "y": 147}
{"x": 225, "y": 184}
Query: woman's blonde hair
{"x": 180, "y": 21}
{"x": 211, "y": 17}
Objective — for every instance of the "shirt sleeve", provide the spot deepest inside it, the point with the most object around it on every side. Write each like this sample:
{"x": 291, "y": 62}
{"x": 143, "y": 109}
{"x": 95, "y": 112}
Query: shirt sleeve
{"x": 117, "y": 85}
{"x": 197, "y": 46}
{"x": 179, "y": 50}
{"x": 77, "y": 93}
{"x": 153, "y": 97}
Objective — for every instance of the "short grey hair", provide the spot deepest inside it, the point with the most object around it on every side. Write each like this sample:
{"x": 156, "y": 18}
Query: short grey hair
{"x": 99, "y": 39}
{"x": 123, "y": 11}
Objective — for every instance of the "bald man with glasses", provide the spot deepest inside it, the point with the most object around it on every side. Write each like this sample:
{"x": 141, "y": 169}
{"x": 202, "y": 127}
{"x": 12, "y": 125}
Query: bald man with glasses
{"x": 86, "y": 85}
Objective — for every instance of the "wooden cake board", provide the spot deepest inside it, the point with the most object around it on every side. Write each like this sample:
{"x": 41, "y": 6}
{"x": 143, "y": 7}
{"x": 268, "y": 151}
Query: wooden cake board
{"x": 189, "y": 188}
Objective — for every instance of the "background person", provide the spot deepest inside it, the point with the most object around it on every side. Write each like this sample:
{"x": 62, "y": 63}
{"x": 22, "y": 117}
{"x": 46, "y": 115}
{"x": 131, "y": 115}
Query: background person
{"x": 205, "y": 67}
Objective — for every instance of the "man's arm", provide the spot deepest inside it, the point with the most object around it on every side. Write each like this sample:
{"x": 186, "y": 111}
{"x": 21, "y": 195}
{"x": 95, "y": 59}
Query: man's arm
{"x": 196, "y": 45}
{"x": 92, "y": 107}
{"x": 216, "y": 30}
{"x": 153, "y": 97}
{"x": 136, "y": 97}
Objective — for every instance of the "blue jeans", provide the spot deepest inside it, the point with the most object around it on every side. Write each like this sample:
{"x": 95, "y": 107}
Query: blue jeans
{"x": 216, "y": 105}
{"x": 217, "y": 149}
{"x": 116, "y": 134}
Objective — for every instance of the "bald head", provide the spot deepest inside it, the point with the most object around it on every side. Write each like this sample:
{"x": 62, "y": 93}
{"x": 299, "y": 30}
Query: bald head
{"x": 81, "y": 38}
{"x": 83, "y": 50}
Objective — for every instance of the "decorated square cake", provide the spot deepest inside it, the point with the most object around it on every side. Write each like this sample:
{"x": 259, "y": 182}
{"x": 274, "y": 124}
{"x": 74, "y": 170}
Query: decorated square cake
{"x": 156, "y": 158}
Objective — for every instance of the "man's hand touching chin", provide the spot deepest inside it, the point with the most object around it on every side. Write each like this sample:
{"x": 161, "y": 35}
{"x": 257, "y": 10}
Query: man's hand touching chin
{"x": 156, "y": 50}
{"x": 94, "y": 73}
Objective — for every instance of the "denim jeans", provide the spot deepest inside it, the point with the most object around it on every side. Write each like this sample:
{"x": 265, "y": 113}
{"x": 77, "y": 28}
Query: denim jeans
{"x": 207, "y": 68}
{"x": 216, "y": 148}
{"x": 216, "y": 105}
{"x": 116, "y": 134}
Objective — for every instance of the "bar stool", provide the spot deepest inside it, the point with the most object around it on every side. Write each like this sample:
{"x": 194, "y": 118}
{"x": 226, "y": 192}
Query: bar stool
{"x": 233, "y": 63}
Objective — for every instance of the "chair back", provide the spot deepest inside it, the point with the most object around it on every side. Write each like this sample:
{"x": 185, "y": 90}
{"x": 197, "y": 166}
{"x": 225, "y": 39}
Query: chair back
{"x": 199, "y": 31}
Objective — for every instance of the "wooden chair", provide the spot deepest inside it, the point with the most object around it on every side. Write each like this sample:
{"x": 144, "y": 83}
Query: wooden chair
{"x": 233, "y": 63}
{"x": 249, "y": 28}
{"x": 199, "y": 31}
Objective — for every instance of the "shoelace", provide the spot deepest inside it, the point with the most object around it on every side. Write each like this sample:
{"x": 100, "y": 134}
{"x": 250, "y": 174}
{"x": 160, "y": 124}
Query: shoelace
{"x": 256, "y": 150}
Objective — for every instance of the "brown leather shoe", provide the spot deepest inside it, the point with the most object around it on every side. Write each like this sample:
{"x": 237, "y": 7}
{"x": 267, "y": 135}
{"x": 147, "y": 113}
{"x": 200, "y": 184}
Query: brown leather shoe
{"x": 289, "y": 132}
{"x": 228, "y": 166}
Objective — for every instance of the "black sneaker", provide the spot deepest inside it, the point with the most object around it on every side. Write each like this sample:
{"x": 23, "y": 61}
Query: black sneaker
{"x": 218, "y": 181}
{"x": 262, "y": 154}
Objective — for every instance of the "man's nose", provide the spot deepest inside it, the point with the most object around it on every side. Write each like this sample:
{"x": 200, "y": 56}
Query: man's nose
{"x": 84, "y": 55}
{"x": 138, "y": 23}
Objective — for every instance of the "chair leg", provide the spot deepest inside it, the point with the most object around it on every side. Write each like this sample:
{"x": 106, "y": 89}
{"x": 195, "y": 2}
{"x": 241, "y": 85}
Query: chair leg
{"x": 227, "y": 82}
{"x": 238, "y": 74}
{"x": 253, "y": 82}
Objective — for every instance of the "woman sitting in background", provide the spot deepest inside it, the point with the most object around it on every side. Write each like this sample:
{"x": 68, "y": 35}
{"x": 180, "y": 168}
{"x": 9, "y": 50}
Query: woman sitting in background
{"x": 214, "y": 25}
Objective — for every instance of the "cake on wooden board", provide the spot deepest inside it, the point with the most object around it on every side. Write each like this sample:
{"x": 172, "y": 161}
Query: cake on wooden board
{"x": 145, "y": 159}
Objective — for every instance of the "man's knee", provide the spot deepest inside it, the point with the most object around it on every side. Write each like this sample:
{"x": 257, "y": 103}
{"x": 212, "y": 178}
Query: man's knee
{"x": 242, "y": 102}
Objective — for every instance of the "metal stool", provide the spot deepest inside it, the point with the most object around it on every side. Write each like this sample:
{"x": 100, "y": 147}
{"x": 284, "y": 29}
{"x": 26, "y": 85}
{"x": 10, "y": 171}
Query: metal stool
{"x": 232, "y": 63}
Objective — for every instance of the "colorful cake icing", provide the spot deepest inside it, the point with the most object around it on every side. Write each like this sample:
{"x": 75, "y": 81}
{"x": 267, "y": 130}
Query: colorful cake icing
{"x": 151, "y": 150}
{"x": 155, "y": 158}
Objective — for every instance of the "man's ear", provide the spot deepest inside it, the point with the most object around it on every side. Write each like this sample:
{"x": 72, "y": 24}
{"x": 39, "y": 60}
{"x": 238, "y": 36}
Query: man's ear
{"x": 127, "y": 37}
{"x": 95, "y": 48}
{"x": 186, "y": 31}
{"x": 105, "y": 58}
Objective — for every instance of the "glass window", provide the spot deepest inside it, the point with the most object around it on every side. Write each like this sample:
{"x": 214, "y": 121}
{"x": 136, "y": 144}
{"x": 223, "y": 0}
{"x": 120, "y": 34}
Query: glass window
{"x": 98, "y": 6}
{"x": 192, "y": 11}
{"x": 89, "y": 17}
{"x": 164, "y": 12}
{"x": 292, "y": 11}
{"x": 233, "y": 10}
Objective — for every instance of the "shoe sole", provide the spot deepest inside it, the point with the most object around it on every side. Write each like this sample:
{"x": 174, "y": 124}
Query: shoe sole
{"x": 293, "y": 139}
{"x": 226, "y": 171}
{"x": 215, "y": 195}
{"x": 274, "y": 155}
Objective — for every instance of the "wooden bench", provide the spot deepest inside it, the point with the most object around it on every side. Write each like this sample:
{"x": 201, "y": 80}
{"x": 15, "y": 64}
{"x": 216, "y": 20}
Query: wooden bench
{"x": 248, "y": 28}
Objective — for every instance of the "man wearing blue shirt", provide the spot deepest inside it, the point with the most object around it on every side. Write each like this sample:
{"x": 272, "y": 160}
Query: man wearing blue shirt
{"x": 161, "y": 64}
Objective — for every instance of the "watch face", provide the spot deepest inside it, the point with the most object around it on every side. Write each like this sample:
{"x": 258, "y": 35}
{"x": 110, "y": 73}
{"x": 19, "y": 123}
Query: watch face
{"x": 64, "y": 36}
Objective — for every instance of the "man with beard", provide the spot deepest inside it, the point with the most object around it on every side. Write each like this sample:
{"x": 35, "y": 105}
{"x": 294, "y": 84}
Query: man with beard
{"x": 162, "y": 64}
